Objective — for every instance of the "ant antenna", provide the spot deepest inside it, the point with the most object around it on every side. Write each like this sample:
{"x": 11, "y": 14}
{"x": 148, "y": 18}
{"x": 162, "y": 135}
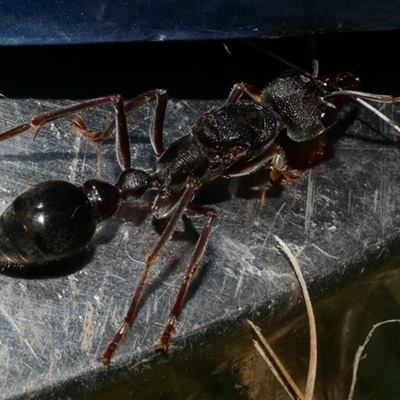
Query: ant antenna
{"x": 276, "y": 57}
{"x": 379, "y": 114}
{"x": 315, "y": 62}
{"x": 378, "y": 98}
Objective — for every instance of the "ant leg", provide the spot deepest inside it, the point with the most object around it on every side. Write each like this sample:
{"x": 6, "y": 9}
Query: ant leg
{"x": 248, "y": 167}
{"x": 120, "y": 124}
{"x": 273, "y": 158}
{"x": 122, "y": 141}
{"x": 120, "y": 334}
{"x": 280, "y": 174}
{"x": 273, "y": 155}
{"x": 156, "y": 130}
{"x": 14, "y": 131}
{"x": 165, "y": 337}
{"x": 157, "y": 125}
{"x": 242, "y": 87}
{"x": 40, "y": 120}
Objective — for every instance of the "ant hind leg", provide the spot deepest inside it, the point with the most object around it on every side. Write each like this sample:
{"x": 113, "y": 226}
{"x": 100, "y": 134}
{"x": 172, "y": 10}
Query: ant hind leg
{"x": 192, "y": 210}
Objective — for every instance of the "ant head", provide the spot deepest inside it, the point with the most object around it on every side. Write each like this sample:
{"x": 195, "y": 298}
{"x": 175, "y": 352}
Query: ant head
{"x": 300, "y": 101}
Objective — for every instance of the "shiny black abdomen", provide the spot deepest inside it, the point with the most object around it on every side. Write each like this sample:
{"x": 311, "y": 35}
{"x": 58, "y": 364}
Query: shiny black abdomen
{"x": 51, "y": 220}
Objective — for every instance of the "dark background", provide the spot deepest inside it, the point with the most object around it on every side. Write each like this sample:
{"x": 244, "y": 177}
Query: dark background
{"x": 191, "y": 69}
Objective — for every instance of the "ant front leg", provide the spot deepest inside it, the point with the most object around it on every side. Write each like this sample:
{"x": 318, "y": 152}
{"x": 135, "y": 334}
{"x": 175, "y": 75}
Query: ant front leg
{"x": 273, "y": 158}
{"x": 242, "y": 87}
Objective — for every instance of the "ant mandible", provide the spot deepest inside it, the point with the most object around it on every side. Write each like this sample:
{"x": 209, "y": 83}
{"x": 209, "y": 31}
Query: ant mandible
{"x": 233, "y": 140}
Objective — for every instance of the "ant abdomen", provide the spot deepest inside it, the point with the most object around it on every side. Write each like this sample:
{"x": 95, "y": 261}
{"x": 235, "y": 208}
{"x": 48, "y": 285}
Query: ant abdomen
{"x": 49, "y": 221}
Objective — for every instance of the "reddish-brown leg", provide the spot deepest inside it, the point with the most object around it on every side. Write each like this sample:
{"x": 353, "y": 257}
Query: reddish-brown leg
{"x": 122, "y": 141}
{"x": 120, "y": 334}
{"x": 274, "y": 154}
{"x": 40, "y": 120}
{"x": 156, "y": 130}
{"x": 274, "y": 159}
{"x": 242, "y": 87}
{"x": 165, "y": 337}
{"x": 119, "y": 124}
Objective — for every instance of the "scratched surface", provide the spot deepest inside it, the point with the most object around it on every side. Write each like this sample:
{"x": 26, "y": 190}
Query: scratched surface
{"x": 341, "y": 218}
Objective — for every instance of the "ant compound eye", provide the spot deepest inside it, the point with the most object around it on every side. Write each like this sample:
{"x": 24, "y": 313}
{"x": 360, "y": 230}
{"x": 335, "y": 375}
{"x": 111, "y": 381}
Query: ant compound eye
{"x": 328, "y": 115}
